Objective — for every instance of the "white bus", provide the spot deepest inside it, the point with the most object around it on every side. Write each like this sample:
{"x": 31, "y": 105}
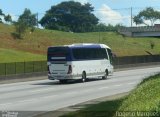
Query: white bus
{"x": 79, "y": 61}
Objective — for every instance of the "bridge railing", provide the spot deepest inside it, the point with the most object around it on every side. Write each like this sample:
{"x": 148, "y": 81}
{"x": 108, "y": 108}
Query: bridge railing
{"x": 139, "y": 29}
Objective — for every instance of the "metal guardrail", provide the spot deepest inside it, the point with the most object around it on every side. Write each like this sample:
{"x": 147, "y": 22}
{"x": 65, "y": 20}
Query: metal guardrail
{"x": 22, "y": 67}
{"x": 135, "y": 60}
{"x": 41, "y": 66}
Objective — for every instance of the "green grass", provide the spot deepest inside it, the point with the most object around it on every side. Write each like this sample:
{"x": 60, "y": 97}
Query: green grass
{"x": 8, "y": 55}
{"x": 38, "y": 41}
{"x": 145, "y": 99}
{"x": 121, "y": 46}
{"x": 17, "y": 62}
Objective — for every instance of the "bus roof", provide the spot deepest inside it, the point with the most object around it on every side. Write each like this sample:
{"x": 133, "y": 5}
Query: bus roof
{"x": 85, "y": 45}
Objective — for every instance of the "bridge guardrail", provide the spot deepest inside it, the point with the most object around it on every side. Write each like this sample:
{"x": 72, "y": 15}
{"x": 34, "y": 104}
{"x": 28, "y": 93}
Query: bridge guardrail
{"x": 139, "y": 29}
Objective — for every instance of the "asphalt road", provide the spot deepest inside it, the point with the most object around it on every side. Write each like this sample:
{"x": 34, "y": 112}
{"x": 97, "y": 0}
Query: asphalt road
{"x": 46, "y": 95}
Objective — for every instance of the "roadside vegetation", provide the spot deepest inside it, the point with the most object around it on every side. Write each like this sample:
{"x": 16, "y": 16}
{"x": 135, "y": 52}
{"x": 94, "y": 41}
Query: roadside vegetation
{"x": 8, "y": 55}
{"x": 37, "y": 42}
{"x": 144, "y": 101}
{"x": 71, "y": 22}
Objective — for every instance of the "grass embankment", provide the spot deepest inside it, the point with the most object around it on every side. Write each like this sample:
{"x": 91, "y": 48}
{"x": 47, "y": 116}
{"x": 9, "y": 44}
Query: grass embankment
{"x": 8, "y": 55}
{"x": 22, "y": 65}
{"x": 144, "y": 101}
{"x": 38, "y": 41}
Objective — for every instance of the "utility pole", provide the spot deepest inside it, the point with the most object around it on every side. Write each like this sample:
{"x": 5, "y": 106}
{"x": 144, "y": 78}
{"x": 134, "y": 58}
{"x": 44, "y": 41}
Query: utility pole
{"x": 37, "y": 20}
{"x": 99, "y": 34}
{"x": 131, "y": 17}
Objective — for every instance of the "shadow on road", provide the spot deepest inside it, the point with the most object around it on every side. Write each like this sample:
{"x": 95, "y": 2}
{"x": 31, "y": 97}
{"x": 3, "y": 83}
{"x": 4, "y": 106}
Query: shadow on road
{"x": 56, "y": 82}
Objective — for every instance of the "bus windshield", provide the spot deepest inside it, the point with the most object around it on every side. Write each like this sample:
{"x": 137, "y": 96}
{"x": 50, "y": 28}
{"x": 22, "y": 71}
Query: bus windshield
{"x": 110, "y": 56}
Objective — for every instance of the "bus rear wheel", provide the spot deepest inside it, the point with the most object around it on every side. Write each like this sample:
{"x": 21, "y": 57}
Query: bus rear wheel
{"x": 63, "y": 81}
{"x": 105, "y": 76}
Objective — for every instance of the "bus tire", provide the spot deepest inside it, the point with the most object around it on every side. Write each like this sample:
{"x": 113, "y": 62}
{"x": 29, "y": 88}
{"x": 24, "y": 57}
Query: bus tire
{"x": 83, "y": 79}
{"x": 105, "y": 76}
{"x": 63, "y": 81}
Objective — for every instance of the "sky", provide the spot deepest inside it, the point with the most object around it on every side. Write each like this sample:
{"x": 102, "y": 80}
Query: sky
{"x": 108, "y": 11}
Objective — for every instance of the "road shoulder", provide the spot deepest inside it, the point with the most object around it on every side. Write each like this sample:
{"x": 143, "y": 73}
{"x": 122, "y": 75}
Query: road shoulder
{"x": 79, "y": 106}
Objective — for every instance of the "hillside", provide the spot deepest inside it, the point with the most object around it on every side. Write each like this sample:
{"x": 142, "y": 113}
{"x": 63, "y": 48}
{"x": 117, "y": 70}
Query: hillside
{"x": 38, "y": 41}
{"x": 8, "y": 55}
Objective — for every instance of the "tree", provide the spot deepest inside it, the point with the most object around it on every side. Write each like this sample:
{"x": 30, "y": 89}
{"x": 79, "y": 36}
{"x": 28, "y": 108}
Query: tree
{"x": 100, "y": 27}
{"x": 138, "y": 20}
{"x": 20, "y": 28}
{"x": 25, "y": 21}
{"x": 103, "y": 27}
{"x": 147, "y": 14}
{"x": 28, "y": 18}
{"x": 70, "y": 16}
{"x": 1, "y": 14}
{"x": 8, "y": 18}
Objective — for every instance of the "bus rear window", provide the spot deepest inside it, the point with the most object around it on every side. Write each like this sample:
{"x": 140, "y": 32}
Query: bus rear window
{"x": 58, "y": 54}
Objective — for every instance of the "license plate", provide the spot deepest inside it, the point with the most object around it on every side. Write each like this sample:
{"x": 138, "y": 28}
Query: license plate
{"x": 60, "y": 76}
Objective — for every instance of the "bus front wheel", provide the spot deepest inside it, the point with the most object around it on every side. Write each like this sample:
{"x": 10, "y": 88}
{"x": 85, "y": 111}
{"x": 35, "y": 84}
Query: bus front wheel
{"x": 105, "y": 76}
{"x": 83, "y": 79}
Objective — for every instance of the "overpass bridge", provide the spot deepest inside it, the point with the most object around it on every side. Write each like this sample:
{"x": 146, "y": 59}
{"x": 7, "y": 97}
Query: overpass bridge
{"x": 143, "y": 31}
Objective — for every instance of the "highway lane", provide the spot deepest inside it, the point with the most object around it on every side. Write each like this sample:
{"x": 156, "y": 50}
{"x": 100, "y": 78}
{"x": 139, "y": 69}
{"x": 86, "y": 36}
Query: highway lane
{"x": 46, "y": 95}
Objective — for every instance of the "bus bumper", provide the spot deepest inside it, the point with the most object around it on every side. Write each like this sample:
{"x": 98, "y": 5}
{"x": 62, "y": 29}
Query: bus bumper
{"x": 61, "y": 77}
